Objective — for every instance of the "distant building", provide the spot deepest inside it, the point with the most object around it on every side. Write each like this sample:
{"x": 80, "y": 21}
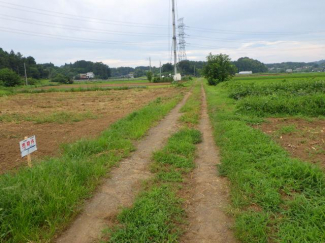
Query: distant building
{"x": 130, "y": 75}
{"x": 245, "y": 72}
{"x": 83, "y": 76}
{"x": 289, "y": 71}
{"x": 89, "y": 75}
{"x": 177, "y": 77}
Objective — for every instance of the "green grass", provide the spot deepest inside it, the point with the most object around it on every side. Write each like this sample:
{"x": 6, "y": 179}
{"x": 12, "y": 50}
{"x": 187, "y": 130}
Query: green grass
{"x": 35, "y": 203}
{"x": 157, "y": 214}
{"x": 275, "y": 198}
{"x": 57, "y": 117}
{"x": 157, "y": 211}
{"x": 192, "y": 107}
{"x": 287, "y": 129}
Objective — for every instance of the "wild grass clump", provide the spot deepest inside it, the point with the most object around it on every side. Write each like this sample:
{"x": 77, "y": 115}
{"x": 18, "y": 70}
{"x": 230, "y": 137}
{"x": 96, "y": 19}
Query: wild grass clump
{"x": 275, "y": 198}
{"x": 35, "y": 203}
{"x": 192, "y": 107}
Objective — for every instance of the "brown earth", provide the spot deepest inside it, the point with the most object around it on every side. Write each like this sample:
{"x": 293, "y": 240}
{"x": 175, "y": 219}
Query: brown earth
{"x": 306, "y": 142}
{"x": 124, "y": 183}
{"x": 109, "y": 106}
{"x": 208, "y": 196}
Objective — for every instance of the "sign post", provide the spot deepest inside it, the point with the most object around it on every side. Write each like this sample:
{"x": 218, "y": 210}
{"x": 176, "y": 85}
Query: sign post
{"x": 27, "y": 147}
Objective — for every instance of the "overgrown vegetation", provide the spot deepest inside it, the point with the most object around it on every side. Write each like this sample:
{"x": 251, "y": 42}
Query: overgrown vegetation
{"x": 37, "y": 202}
{"x": 274, "y": 197}
{"x": 304, "y": 97}
{"x": 157, "y": 212}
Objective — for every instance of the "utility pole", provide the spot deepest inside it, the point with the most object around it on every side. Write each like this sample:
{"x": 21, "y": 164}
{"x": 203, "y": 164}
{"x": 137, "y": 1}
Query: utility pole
{"x": 25, "y": 74}
{"x": 174, "y": 38}
{"x": 150, "y": 63}
{"x": 160, "y": 69}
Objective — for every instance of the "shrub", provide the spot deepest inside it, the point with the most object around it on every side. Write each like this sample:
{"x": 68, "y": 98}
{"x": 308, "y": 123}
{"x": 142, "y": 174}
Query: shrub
{"x": 60, "y": 78}
{"x": 32, "y": 81}
{"x": 9, "y": 78}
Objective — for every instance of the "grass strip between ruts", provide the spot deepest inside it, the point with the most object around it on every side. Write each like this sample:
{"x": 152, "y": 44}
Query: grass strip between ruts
{"x": 35, "y": 203}
{"x": 157, "y": 212}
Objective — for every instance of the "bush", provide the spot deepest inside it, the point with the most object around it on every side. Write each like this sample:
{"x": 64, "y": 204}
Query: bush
{"x": 149, "y": 76}
{"x": 163, "y": 80}
{"x": 32, "y": 81}
{"x": 9, "y": 78}
{"x": 60, "y": 78}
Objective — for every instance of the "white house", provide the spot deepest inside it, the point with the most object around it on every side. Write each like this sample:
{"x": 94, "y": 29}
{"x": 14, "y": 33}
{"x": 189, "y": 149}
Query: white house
{"x": 245, "y": 72}
{"x": 289, "y": 70}
{"x": 90, "y": 75}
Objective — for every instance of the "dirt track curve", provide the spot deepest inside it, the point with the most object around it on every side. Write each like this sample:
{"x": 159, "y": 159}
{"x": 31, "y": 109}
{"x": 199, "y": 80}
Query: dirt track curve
{"x": 123, "y": 185}
{"x": 208, "y": 196}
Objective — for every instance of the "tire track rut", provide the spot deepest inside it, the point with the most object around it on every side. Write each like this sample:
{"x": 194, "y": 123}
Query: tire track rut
{"x": 123, "y": 185}
{"x": 208, "y": 194}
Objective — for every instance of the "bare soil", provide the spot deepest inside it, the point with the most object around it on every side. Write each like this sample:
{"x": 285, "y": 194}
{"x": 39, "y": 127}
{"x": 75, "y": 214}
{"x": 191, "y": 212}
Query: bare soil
{"x": 306, "y": 142}
{"x": 109, "y": 106}
{"x": 208, "y": 195}
{"x": 121, "y": 188}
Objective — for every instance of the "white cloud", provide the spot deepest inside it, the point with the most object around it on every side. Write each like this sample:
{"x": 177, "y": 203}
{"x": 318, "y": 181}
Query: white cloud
{"x": 271, "y": 31}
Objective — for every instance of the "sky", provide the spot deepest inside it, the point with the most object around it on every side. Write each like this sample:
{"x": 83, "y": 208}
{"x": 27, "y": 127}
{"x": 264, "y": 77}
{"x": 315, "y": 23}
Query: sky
{"x": 126, "y": 33}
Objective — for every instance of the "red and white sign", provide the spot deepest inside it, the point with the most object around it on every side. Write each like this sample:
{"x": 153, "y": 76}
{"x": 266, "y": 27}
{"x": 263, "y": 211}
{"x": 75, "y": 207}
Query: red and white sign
{"x": 28, "y": 146}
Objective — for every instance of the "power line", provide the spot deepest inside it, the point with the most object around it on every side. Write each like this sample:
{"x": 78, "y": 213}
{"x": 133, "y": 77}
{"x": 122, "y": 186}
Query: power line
{"x": 79, "y": 18}
{"x": 252, "y": 32}
{"x": 30, "y": 33}
{"x": 76, "y": 28}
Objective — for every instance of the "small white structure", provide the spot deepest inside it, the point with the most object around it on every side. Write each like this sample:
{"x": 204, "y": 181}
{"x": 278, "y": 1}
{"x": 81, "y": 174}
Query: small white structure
{"x": 178, "y": 77}
{"x": 289, "y": 71}
{"x": 90, "y": 75}
{"x": 245, "y": 72}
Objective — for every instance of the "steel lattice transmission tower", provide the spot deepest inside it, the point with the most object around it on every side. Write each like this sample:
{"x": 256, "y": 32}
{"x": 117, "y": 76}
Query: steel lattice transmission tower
{"x": 182, "y": 42}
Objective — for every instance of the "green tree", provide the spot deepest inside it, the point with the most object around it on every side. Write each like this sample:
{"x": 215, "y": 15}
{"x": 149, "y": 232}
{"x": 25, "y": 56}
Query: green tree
{"x": 60, "y": 78}
{"x": 218, "y": 69}
{"x": 9, "y": 78}
{"x": 248, "y": 64}
{"x": 149, "y": 76}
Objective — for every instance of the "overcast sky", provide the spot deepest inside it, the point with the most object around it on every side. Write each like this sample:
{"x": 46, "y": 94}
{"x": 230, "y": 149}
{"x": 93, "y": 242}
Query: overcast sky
{"x": 127, "y": 33}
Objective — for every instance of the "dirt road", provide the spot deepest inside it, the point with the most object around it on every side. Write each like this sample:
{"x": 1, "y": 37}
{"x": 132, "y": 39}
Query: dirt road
{"x": 124, "y": 184}
{"x": 208, "y": 196}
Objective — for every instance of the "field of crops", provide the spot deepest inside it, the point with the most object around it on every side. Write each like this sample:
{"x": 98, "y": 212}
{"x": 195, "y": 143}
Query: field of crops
{"x": 271, "y": 134}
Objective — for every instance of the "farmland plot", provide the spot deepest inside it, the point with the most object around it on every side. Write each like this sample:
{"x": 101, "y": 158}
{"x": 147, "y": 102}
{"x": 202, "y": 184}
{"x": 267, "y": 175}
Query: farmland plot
{"x": 57, "y": 118}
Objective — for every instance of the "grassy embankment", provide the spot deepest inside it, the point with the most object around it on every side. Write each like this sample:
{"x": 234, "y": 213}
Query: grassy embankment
{"x": 35, "y": 203}
{"x": 275, "y": 198}
{"x": 157, "y": 214}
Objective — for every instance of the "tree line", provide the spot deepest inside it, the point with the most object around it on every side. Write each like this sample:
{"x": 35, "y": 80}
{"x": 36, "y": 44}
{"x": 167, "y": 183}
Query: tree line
{"x": 12, "y": 69}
